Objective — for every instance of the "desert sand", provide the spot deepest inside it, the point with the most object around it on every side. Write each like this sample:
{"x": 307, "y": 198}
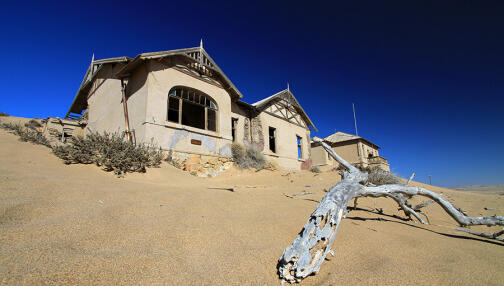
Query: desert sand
{"x": 76, "y": 224}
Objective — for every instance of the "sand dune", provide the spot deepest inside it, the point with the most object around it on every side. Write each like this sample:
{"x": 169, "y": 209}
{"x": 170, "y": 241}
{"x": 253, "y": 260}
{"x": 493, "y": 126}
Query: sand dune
{"x": 76, "y": 224}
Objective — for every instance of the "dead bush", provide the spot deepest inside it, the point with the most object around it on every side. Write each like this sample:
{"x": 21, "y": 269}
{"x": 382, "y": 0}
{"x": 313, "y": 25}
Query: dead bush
{"x": 315, "y": 169}
{"x": 377, "y": 176}
{"x": 249, "y": 156}
{"x": 26, "y": 134}
{"x": 32, "y": 124}
{"x": 110, "y": 151}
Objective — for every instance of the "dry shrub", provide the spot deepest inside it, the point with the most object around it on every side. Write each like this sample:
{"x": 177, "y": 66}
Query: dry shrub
{"x": 110, "y": 151}
{"x": 32, "y": 124}
{"x": 26, "y": 134}
{"x": 379, "y": 177}
{"x": 315, "y": 169}
{"x": 249, "y": 156}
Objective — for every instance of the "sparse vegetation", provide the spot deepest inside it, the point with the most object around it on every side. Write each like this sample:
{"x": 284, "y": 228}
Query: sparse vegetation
{"x": 3, "y": 114}
{"x": 110, "y": 151}
{"x": 26, "y": 134}
{"x": 33, "y": 124}
{"x": 249, "y": 156}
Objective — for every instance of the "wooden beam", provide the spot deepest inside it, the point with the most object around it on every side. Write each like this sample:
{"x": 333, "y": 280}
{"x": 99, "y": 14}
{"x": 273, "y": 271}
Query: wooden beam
{"x": 274, "y": 115}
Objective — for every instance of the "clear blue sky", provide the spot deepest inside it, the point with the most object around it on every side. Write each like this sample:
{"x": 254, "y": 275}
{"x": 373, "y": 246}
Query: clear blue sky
{"x": 427, "y": 78}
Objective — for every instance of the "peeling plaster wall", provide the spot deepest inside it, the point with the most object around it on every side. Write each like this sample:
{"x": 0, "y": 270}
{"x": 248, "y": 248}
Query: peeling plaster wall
{"x": 106, "y": 111}
{"x": 173, "y": 136}
{"x": 105, "y": 103}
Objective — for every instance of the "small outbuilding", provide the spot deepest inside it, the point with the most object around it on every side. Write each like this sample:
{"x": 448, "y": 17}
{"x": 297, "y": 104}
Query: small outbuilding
{"x": 354, "y": 149}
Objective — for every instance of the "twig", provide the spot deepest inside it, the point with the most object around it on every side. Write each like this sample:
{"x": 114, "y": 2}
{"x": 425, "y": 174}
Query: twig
{"x": 410, "y": 179}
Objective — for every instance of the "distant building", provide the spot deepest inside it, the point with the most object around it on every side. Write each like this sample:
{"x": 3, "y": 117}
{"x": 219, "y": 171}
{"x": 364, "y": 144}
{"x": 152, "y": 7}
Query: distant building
{"x": 354, "y": 149}
{"x": 183, "y": 102}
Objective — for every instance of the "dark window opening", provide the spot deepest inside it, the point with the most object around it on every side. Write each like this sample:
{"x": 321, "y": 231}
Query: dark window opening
{"x": 195, "y": 108}
{"x": 193, "y": 115}
{"x": 173, "y": 109}
{"x": 272, "y": 139}
{"x": 299, "y": 147}
{"x": 234, "y": 125}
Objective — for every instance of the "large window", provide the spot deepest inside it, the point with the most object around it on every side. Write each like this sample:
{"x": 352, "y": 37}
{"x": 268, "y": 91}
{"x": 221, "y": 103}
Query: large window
{"x": 191, "y": 107}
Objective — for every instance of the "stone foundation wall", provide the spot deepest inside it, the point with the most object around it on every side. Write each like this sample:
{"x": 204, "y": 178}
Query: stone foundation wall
{"x": 199, "y": 165}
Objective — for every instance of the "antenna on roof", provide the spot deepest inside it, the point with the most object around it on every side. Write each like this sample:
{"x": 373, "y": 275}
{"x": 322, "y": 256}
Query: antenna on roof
{"x": 201, "y": 43}
{"x": 355, "y": 120}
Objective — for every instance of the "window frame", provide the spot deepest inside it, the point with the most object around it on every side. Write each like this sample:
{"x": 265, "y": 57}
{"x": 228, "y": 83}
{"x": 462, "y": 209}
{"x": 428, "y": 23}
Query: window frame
{"x": 299, "y": 145}
{"x": 196, "y": 97}
{"x": 274, "y": 139}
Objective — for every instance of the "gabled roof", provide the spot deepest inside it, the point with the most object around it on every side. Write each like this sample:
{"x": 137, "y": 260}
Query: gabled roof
{"x": 197, "y": 55}
{"x": 80, "y": 100}
{"x": 287, "y": 95}
{"x": 342, "y": 137}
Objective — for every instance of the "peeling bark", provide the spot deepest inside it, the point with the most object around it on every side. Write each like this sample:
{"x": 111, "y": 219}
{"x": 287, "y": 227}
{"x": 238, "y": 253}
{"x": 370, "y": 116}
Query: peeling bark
{"x": 306, "y": 254}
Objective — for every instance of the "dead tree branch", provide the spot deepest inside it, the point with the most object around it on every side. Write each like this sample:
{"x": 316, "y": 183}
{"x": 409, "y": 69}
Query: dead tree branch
{"x": 311, "y": 246}
{"x": 485, "y": 235}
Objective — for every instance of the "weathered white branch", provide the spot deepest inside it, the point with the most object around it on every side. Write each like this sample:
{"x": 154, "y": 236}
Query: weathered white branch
{"x": 463, "y": 220}
{"x": 485, "y": 235}
{"x": 309, "y": 249}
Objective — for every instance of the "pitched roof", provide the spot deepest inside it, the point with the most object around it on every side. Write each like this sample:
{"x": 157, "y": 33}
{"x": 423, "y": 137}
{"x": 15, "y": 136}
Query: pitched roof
{"x": 285, "y": 94}
{"x": 342, "y": 137}
{"x": 197, "y": 55}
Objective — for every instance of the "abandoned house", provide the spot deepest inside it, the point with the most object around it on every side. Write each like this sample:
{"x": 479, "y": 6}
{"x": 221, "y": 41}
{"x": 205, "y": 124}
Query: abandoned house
{"x": 181, "y": 101}
{"x": 354, "y": 149}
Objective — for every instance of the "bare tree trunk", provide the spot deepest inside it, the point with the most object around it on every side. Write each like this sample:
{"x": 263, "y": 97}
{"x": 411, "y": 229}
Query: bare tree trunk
{"x": 309, "y": 249}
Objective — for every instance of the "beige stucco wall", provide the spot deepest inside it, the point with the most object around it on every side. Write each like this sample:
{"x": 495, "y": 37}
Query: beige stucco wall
{"x": 286, "y": 145}
{"x": 105, "y": 107}
{"x": 173, "y": 136}
{"x": 319, "y": 156}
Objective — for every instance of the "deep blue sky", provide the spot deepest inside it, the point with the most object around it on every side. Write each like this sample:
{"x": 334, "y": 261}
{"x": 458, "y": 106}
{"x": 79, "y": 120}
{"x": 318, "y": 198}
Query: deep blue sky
{"x": 427, "y": 78}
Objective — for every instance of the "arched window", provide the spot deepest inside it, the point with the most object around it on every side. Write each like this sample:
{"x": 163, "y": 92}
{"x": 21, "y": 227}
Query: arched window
{"x": 191, "y": 107}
